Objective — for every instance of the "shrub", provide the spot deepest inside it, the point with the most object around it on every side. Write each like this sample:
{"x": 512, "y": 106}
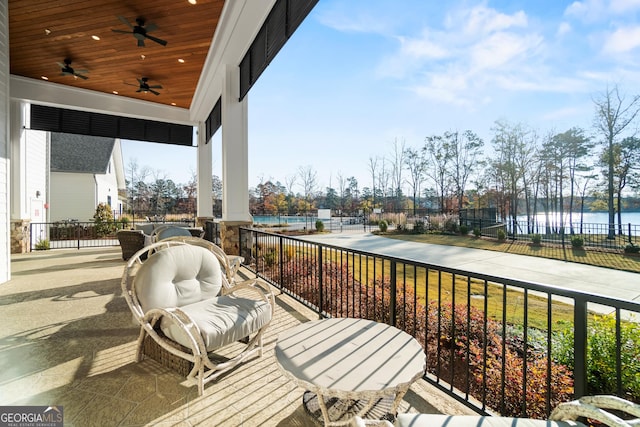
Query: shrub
{"x": 43, "y": 245}
{"x": 103, "y": 219}
{"x": 383, "y": 225}
{"x": 601, "y": 355}
{"x": 536, "y": 239}
{"x": 419, "y": 227}
{"x": 577, "y": 242}
{"x": 501, "y": 235}
{"x": 464, "y": 230}
{"x": 631, "y": 249}
{"x": 319, "y": 225}
{"x": 477, "y": 232}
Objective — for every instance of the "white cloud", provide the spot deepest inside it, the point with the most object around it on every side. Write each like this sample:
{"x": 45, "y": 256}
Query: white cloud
{"x": 483, "y": 20}
{"x": 563, "y": 28}
{"x": 502, "y": 50}
{"x": 424, "y": 47}
{"x": 588, "y": 10}
{"x": 623, "y": 6}
{"x": 622, "y": 40}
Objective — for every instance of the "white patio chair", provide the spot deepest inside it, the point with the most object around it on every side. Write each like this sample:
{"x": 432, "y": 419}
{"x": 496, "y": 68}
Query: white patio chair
{"x": 179, "y": 295}
{"x": 165, "y": 231}
{"x": 566, "y": 414}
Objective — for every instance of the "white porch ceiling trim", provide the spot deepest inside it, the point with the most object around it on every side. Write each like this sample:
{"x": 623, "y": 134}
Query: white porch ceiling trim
{"x": 62, "y": 96}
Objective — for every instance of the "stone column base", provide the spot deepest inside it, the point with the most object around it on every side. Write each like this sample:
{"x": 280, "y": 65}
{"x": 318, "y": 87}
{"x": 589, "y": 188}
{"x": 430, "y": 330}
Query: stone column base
{"x": 230, "y": 235}
{"x": 20, "y": 242}
{"x": 202, "y": 219}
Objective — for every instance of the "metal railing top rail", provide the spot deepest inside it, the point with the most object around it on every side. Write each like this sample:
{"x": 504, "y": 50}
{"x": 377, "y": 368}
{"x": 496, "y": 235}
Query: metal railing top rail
{"x": 529, "y": 285}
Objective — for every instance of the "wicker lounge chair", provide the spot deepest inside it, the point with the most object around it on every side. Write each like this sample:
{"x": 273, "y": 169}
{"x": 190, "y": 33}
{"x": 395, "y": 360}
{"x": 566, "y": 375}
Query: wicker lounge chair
{"x": 131, "y": 241}
{"x": 185, "y": 305}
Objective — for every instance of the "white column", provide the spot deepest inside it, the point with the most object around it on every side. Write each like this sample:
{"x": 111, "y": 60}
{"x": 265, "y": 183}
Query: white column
{"x": 5, "y": 199}
{"x": 17, "y": 141}
{"x": 205, "y": 174}
{"x": 235, "y": 161}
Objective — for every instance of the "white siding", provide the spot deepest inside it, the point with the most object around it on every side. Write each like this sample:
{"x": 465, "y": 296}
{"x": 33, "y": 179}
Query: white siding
{"x": 108, "y": 186}
{"x": 36, "y": 171}
{"x": 5, "y": 258}
{"x": 73, "y": 196}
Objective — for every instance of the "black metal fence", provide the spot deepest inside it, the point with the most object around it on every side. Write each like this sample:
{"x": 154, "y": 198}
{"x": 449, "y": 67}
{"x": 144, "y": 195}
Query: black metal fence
{"x": 583, "y": 235}
{"x": 496, "y": 344}
{"x": 75, "y": 234}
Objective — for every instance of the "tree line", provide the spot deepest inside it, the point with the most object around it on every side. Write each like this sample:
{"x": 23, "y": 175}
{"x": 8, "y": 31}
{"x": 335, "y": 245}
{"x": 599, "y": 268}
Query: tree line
{"x": 521, "y": 171}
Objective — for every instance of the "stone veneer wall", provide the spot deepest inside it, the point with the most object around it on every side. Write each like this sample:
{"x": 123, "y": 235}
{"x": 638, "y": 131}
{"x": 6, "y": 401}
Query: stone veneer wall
{"x": 20, "y": 236}
{"x": 230, "y": 235}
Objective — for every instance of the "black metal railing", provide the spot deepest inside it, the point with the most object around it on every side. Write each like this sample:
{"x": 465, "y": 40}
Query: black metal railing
{"x": 593, "y": 236}
{"x": 70, "y": 234}
{"x": 497, "y": 344}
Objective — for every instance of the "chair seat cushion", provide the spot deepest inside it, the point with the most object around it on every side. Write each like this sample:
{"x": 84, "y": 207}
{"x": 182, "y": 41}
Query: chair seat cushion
{"x": 436, "y": 420}
{"x": 221, "y": 320}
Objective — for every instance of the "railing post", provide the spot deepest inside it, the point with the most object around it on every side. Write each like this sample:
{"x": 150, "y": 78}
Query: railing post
{"x": 320, "y": 281}
{"x": 392, "y": 296}
{"x": 580, "y": 346}
{"x": 281, "y": 258}
{"x": 629, "y": 233}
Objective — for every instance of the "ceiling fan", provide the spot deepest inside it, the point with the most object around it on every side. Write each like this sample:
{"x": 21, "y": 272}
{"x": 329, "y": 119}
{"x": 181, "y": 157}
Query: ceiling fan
{"x": 140, "y": 31}
{"x": 66, "y": 70}
{"x": 144, "y": 87}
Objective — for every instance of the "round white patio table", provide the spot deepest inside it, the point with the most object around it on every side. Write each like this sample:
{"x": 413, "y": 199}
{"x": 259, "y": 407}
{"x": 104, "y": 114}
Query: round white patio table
{"x": 350, "y": 367}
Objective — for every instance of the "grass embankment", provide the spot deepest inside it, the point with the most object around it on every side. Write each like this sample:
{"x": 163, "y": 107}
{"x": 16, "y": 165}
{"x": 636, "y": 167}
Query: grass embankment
{"x": 436, "y": 285}
{"x": 613, "y": 260}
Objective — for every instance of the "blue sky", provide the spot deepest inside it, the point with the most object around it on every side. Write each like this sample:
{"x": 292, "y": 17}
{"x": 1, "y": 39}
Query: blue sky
{"x": 361, "y": 74}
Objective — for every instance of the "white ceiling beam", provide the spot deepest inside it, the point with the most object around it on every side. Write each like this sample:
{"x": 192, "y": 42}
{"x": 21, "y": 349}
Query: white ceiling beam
{"x": 57, "y": 95}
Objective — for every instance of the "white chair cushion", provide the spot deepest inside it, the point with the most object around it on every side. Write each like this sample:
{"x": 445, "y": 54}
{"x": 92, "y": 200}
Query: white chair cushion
{"x": 436, "y": 420}
{"x": 178, "y": 276}
{"x": 221, "y": 320}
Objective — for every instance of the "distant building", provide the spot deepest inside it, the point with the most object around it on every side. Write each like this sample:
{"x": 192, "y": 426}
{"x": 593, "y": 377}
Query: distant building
{"x": 84, "y": 171}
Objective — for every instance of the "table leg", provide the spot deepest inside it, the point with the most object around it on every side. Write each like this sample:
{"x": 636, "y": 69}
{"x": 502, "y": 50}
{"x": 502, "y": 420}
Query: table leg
{"x": 332, "y": 411}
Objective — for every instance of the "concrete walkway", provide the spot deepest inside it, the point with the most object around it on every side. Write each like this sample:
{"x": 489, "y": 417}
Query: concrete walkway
{"x": 593, "y": 280}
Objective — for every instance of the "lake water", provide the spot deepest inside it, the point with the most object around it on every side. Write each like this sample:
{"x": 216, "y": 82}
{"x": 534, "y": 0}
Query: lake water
{"x": 591, "y": 218}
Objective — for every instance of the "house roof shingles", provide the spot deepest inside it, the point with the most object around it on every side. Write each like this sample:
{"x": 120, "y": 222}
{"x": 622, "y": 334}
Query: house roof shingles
{"x": 80, "y": 153}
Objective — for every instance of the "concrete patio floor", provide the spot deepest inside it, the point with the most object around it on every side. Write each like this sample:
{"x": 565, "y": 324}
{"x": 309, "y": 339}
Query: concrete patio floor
{"x": 68, "y": 339}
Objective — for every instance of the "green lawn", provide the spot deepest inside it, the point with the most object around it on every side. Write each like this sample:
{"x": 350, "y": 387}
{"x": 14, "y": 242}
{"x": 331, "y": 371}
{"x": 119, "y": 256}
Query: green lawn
{"x": 613, "y": 260}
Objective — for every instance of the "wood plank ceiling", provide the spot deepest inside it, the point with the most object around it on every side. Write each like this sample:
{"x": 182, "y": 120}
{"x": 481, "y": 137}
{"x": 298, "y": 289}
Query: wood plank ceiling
{"x": 43, "y": 33}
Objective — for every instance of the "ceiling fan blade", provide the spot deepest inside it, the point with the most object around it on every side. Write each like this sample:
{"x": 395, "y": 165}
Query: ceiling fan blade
{"x": 82, "y": 71}
{"x": 157, "y": 40}
{"x": 61, "y": 65}
{"x": 81, "y": 76}
{"x": 140, "y": 43}
{"x": 125, "y": 21}
{"x": 131, "y": 84}
{"x": 155, "y": 87}
{"x": 150, "y": 27}
{"x": 154, "y": 92}
{"x": 121, "y": 31}
{"x": 139, "y": 90}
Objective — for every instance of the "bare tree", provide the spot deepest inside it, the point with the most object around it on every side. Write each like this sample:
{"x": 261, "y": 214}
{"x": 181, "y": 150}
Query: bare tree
{"x": 613, "y": 116}
{"x": 416, "y": 165}
{"x": 309, "y": 181}
{"x": 436, "y": 150}
{"x": 373, "y": 164}
{"x": 397, "y": 164}
{"x": 289, "y": 182}
{"x": 465, "y": 150}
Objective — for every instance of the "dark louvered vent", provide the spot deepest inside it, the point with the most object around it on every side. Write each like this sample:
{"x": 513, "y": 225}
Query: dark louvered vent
{"x": 214, "y": 120}
{"x": 54, "y": 119}
{"x": 285, "y": 17}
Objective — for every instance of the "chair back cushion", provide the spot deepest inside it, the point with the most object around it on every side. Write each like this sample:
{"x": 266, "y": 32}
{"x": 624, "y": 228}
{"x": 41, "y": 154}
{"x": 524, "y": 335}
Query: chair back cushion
{"x": 172, "y": 231}
{"x": 177, "y": 276}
